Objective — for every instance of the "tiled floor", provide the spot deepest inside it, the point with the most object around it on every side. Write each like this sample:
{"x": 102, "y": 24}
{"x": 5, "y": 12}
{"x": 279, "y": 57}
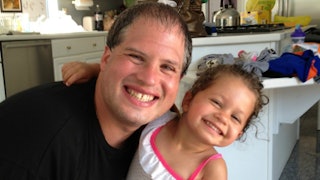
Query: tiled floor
{"x": 304, "y": 162}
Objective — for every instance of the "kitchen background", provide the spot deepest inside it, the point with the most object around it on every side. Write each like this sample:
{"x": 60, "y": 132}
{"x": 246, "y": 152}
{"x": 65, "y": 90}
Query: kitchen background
{"x": 35, "y": 11}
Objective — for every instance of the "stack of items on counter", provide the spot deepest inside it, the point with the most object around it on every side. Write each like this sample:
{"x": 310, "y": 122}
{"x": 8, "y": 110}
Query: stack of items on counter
{"x": 302, "y": 61}
{"x": 260, "y": 12}
{"x": 257, "y": 12}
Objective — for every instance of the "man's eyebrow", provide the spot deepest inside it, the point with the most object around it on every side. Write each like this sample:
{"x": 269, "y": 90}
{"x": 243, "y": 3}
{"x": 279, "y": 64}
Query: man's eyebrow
{"x": 169, "y": 61}
{"x": 134, "y": 50}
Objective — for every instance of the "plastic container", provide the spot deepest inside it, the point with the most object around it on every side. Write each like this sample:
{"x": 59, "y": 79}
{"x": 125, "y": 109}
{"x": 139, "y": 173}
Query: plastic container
{"x": 298, "y": 35}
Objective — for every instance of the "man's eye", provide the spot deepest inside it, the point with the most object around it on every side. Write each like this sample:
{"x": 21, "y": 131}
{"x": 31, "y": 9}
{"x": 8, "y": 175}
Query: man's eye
{"x": 168, "y": 68}
{"x": 135, "y": 58}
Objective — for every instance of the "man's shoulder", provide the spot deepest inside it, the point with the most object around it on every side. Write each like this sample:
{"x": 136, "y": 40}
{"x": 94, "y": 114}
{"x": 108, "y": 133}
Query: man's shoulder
{"x": 48, "y": 118}
{"x": 53, "y": 92}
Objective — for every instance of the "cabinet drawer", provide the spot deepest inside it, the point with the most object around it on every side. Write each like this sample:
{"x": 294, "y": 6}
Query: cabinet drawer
{"x": 58, "y": 62}
{"x": 74, "y": 46}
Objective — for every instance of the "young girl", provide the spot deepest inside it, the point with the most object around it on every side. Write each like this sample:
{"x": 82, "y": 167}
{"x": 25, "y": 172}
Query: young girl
{"x": 217, "y": 110}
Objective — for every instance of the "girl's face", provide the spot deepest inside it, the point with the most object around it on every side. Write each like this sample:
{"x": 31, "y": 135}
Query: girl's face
{"x": 217, "y": 115}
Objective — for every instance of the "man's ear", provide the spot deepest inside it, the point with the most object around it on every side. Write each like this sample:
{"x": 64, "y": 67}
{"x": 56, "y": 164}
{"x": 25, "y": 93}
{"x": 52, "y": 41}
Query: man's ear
{"x": 186, "y": 101}
{"x": 105, "y": 57}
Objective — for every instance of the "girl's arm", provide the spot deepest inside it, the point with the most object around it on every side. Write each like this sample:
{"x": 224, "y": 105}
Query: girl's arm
{"x": 79, "y": 72}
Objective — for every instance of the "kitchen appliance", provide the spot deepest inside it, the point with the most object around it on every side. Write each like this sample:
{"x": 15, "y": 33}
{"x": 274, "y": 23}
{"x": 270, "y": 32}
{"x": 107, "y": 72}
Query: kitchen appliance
{"x": 251, "y": 28}
{"x": 25, "y": 64}
{"x": 281, "y": 7}
{"x": 226, "y": 16}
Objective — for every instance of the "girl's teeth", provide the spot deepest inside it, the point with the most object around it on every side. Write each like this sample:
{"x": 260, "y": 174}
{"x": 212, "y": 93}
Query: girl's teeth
{"x": 213, "y": 127}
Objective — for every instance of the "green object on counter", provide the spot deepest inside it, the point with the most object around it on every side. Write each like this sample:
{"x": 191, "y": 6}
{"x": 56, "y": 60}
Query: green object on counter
{"x": 204, "y": 1}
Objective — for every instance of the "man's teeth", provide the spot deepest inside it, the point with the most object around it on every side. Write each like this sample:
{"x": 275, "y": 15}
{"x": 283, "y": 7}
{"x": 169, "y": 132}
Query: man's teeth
{"x": 213, "y": 127}
{"x": 140, "y": 96}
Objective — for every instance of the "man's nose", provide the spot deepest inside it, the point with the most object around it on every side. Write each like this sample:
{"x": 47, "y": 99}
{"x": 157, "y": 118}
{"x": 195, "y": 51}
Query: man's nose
{"x": 149, "y": 74}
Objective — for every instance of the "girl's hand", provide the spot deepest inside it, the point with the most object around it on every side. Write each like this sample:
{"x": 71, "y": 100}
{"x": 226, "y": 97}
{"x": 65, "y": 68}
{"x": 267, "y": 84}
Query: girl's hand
{"x": 79, "y": 72}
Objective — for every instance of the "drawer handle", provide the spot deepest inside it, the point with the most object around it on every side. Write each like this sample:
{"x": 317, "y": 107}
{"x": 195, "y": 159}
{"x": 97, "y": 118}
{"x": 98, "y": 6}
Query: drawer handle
{"x": 68, "y": 47}
{"x": 94, "y": 44}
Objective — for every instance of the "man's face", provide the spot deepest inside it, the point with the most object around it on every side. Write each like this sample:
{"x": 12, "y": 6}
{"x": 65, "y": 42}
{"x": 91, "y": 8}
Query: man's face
{"x": 140, "y": 77}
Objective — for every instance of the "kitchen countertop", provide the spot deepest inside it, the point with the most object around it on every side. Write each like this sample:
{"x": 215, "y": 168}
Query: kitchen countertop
{"x": 34, "y": 36}
{"x": 229, "y": 38}
{"x": 268, "y": 83}
{"x": 226, "y": 38}
{"x": 240, "y": 38}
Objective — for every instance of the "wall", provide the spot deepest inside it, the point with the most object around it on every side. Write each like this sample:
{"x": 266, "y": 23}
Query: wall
{"x": 32, "y": 9}
{"x": 77, "y": 15}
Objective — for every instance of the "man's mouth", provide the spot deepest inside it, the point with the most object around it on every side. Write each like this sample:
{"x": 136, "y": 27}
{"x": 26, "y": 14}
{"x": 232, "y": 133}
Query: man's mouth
{"x": 140, "y": 96}
{"x": 213, "y": 127}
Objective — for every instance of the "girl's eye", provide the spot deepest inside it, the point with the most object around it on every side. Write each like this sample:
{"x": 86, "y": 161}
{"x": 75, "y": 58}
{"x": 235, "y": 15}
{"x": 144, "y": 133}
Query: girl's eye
{"x": 216, "y": 102}
{"x": 236, "y": 118}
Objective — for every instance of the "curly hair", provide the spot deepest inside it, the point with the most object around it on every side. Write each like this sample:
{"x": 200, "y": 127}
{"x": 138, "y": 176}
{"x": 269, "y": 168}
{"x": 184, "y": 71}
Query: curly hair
{"x": 251, "y": 80}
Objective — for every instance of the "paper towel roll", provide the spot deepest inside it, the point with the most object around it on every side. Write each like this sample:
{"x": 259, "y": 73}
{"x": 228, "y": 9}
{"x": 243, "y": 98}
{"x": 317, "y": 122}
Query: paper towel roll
{"x": 88, "y": 23}
{"x": 82, "y": 4}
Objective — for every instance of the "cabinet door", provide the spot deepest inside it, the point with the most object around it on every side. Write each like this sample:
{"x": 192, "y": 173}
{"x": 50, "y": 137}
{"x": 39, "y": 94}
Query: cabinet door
{"x": 58, "y": 62}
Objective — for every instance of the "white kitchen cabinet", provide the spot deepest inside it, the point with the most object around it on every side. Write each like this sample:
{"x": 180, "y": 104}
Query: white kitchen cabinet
{"x": 86, "y": 49}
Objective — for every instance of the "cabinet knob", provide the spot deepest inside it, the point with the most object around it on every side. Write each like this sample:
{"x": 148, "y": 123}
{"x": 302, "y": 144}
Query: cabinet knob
{"x": 94, "y": 44}
{"x": 68, "y": 47}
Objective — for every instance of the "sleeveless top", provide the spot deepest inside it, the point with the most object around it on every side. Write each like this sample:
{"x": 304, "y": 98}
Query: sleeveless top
{"x": 148, "y": 163}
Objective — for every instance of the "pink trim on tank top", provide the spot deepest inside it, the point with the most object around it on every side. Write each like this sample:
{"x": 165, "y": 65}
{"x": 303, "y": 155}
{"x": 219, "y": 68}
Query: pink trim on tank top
{"x": 169, "y": 169}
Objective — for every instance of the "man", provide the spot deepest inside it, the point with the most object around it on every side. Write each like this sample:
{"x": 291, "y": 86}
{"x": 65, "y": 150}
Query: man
{"x": 91, "y": 130}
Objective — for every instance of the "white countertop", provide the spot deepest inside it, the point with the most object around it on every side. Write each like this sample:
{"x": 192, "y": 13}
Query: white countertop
{"x": 268, "y": 83}
{"x": 51, "y": 36}
{"x": 240, "y": 38}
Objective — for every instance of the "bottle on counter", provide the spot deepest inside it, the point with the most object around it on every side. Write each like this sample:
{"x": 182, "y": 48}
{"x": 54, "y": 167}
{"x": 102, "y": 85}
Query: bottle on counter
{"x": 297, "y": 38}
{"x": 298, "y": 35}
{"x": 98, "y": 19}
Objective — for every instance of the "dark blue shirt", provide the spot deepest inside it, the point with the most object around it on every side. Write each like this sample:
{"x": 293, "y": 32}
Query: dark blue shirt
{"x": 52, "y": 132}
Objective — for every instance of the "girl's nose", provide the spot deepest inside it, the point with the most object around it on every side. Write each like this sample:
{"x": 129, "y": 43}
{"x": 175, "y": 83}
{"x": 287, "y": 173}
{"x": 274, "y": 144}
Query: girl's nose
{"x": 222, "y": 116}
